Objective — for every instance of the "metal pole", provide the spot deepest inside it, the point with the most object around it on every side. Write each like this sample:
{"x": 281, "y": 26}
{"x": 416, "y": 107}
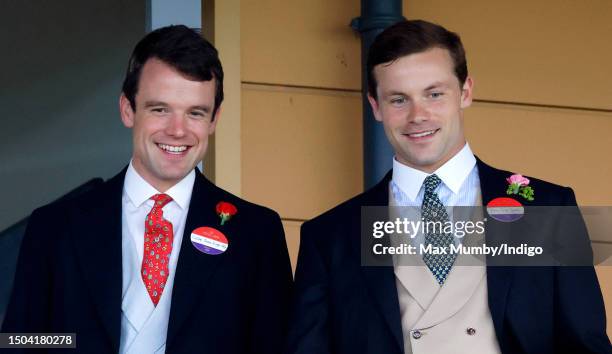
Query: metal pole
{"x": 376, "y": 15}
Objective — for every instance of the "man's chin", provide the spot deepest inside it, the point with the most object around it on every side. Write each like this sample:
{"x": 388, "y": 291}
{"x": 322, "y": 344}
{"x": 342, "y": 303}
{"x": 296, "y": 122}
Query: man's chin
{"x": 176, "y": 175}
{"x": 173, "y": 173}
{"x": 423, "y": 163}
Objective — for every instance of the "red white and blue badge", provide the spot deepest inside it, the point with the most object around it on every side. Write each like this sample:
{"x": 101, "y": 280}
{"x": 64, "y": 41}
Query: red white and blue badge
{"x": 505, "y": 209}
{"x": 209, "y": 240}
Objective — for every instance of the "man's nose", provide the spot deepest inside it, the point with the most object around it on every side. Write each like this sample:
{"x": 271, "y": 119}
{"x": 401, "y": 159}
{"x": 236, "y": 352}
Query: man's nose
{"x": 419, "y": 112}
{"x": 176, "y": 125}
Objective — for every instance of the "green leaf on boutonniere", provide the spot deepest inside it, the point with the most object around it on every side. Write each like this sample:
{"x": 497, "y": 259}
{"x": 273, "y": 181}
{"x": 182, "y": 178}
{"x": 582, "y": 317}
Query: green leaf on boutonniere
{"x": 513, "y": 188}
{"x": 527, "y": 193}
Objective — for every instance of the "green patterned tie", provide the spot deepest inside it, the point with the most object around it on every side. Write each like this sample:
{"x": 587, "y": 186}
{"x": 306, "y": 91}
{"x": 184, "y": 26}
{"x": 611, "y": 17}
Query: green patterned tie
{"x": 433, "y": 211}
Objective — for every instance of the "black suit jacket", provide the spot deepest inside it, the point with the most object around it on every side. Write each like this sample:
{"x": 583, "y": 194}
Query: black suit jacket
{"x": 69, "y": 276}
{"x": 342, "y": 307}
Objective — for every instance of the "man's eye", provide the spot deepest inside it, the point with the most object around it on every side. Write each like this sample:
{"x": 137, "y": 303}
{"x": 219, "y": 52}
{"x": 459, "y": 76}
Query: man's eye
{"x": 159, "y": 110}
{"x": 198, "y": 114}
{"x": 436, "y": 94}
{"x": 398, "y": 100}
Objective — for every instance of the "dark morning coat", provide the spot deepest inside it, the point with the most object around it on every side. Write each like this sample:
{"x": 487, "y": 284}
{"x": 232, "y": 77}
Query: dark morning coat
{"x": 69, "y": 276}
{"x": 342, "y": 307}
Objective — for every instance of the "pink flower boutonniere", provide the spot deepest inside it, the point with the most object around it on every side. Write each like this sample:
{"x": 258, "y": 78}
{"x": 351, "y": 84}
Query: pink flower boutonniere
{"x": 225, "y": 211}
{"x": 517, "y": 184}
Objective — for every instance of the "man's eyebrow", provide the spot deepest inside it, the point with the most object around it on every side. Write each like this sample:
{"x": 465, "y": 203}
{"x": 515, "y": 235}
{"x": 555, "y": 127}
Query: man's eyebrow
{"x": 393, "y": 93}
{"x": 154, "y": 103}
{"x": 202, "y": 108}
{"x": 436, "y": 85}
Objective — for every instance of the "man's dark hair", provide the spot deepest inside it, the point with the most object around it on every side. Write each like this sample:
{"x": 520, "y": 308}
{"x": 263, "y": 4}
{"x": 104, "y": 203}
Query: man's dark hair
{"x": 410, "y": 37}
{"x": 182, "y": 48}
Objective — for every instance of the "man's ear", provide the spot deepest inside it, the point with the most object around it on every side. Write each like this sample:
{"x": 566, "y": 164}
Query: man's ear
{"x": 126, "y": 111}
{"x": 466, "y": 92}
{"x": 375, "y": 107}
{"x": 213, "y": 124}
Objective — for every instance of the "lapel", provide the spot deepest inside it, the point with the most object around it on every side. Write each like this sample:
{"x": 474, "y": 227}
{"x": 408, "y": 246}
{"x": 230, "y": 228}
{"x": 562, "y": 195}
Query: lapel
{"x": 493, "y": 185}
{"x": 380, "y": 280}
{"x": 97, "y": 239}
{"x": 194, "y": 269}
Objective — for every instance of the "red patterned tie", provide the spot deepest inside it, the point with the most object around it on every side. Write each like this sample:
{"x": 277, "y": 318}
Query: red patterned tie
{"x": 157, "y": 247}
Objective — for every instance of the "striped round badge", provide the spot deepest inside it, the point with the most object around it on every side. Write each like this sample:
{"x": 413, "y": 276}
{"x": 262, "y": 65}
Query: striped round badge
{"x": 209, "y": 240}
{"x": 505, "y": 209}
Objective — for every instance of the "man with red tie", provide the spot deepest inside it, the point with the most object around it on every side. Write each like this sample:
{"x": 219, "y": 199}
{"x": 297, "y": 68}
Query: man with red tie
{"x": 158, "y": 259}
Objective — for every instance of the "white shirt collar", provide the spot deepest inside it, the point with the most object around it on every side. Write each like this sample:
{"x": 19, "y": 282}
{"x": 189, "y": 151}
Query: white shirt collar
{"x": 139, "y": 190}
{"x": 453, "y": 173}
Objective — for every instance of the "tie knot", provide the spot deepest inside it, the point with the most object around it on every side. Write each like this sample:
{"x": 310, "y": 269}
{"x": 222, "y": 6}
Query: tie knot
{"x": 161, "y": 200}
{"x": 431, "y": 183}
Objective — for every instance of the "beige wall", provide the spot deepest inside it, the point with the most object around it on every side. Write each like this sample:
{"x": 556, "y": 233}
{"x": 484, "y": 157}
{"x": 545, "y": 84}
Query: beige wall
{"x": 543, "y": 103}
{"x": 222, "y": 27}
{"x": 301, "y": 43}
{"x": 301, "y": 148}
{"x": 301, "y": 107}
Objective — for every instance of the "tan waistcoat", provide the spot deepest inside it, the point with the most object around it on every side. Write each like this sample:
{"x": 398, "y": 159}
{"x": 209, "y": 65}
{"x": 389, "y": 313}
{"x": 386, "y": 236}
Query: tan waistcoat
{"x": 453, "y": 318}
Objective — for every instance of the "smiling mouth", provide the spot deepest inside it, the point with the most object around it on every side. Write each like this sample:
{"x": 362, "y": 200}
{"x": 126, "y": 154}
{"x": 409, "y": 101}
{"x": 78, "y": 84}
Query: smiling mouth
{"x": 423, "y": 134}
{"x": 173, "y": 149}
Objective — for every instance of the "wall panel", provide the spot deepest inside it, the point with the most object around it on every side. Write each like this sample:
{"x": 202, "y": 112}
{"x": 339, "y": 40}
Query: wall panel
{"x": 567, "y": 147}
{"x": 300, "y": 43}
{"x": 301, "y": 149}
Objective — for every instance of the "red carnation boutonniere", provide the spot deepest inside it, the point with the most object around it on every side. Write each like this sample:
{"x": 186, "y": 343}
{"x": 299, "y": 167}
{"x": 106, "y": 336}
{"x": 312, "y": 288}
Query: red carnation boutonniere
{"x": 225, "y": 211}
{"x": 517, "y": 184}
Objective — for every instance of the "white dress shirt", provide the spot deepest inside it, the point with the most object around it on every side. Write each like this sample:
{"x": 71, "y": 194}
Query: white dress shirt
{"x": 143, "y": 325}
{"x": 460, "y": 187}
{"x": 460, "y": 183}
